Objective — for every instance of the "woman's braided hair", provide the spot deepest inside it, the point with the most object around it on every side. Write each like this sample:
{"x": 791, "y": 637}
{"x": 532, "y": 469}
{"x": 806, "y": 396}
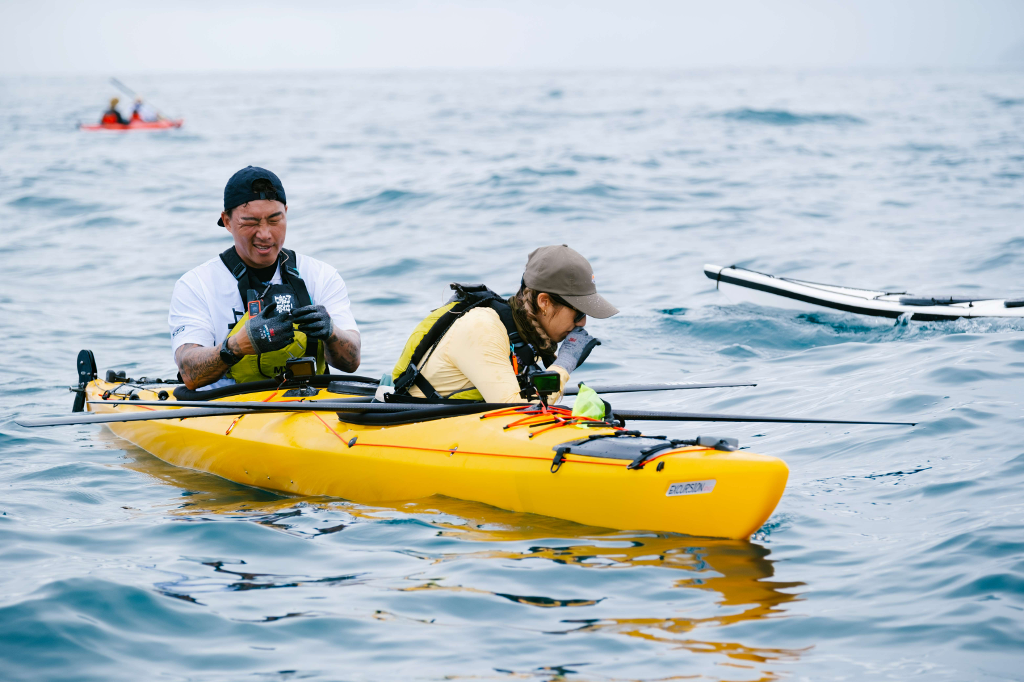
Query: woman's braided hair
{"x": 527, "y": 299}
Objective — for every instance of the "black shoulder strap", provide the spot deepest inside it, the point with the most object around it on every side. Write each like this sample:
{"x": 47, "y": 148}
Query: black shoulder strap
{"x": 470, "y": 296}
{"x": 237, "y": 268}
{"x": 288, "y": 263}
{"x": 525, "y": 353}
{"x": 290, "y": 275}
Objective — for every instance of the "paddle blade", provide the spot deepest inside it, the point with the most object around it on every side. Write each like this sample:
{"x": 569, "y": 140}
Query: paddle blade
{"x": 636, "y": 388}
{"x": 122, "y": 87}
{"x": 638, "y": 415}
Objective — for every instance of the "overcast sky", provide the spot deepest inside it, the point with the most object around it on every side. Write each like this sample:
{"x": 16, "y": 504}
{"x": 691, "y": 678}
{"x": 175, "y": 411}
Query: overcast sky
{"x": 59, "y": 36}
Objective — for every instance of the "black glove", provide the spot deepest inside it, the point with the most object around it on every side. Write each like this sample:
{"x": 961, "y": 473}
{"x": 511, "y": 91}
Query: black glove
{"x": 270, "y": 330}
{"x": 575, "y": 349}
{"x": 313, "y": 321}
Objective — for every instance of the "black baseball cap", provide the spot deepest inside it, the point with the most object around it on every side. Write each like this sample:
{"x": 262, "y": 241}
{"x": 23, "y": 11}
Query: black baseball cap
{"x": 238, "y": 191}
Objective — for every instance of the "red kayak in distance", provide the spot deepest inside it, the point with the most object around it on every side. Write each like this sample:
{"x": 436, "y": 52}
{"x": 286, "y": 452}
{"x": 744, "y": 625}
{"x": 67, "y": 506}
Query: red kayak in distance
{"x": 135, "y": 125}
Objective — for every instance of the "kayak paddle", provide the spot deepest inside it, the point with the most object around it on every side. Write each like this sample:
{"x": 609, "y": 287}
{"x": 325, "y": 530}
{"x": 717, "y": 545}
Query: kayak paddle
{"x": 131, "y": 93}
{"x": 201, "y": 409}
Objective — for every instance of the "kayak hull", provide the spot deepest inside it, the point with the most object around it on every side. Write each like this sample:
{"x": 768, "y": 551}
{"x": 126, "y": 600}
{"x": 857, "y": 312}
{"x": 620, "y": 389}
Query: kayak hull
{"x": 468, "y": 457}
{"x": 134, "y": 125}
{"x": 742, "y": 285}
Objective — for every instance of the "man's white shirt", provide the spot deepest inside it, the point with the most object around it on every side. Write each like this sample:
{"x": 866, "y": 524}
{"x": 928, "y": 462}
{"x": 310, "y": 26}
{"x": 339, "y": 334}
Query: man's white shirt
{"x": 205, "y": 299}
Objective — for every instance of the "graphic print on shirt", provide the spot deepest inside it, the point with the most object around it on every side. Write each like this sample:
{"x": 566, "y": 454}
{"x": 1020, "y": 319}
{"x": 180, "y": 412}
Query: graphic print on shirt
{"x": 284, "y": 302}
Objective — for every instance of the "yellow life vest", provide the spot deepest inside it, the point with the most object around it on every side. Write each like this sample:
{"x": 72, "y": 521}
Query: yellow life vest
{"x": 292, "y": 290}
{"x": 432, "y": 328}
{"x": 269, "y": 365}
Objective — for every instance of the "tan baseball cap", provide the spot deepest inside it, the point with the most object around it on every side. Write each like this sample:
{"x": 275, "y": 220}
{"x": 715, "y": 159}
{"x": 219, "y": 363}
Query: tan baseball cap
{"x": 560, "y": 270}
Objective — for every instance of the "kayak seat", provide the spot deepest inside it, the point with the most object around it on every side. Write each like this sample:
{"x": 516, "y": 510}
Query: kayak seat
{"x": 1014, "y": 303}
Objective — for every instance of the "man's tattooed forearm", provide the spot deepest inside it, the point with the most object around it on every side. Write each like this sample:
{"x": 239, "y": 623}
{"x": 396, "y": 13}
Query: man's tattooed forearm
{"x": 199, "y": 365}
{"x": 344, "y": 350}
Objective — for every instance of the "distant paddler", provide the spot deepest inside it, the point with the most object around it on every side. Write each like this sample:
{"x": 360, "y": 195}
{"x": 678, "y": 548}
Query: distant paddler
{"x": 145, "y": 113}
{"x": 112, "y": 116}
{"x": 242, "y": 315}
{"x": 480, "y": 346}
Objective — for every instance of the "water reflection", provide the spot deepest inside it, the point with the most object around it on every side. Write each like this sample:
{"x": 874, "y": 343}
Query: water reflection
{"x": 737, "y": 576}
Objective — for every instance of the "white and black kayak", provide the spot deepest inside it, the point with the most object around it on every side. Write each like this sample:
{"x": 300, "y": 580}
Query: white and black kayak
{"x": 740, "y": 284}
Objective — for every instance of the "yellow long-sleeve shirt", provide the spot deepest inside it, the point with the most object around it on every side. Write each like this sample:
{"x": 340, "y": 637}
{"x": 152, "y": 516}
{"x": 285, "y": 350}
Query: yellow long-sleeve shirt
{"x": 475, "y": 354}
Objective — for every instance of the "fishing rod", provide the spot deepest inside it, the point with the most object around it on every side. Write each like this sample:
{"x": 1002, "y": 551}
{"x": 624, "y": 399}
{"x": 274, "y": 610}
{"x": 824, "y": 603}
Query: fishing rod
{"x": 640, "y": 415}
{"x": 635, "y": 388}
{"x": 191, "y": 409}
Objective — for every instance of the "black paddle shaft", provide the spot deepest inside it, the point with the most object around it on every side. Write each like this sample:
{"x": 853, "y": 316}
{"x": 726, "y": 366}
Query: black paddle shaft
{"x": 189, "y": 409}
{"x": 637, "y": 415}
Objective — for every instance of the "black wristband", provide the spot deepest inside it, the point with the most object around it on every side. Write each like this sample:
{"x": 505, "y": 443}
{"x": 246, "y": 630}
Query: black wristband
{"x": 227, "y": 357}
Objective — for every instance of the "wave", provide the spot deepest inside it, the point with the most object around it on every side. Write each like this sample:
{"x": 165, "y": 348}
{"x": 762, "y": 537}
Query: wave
{"x": 59, "y": 206}
{"x": 1007, "y": 102}
{"x": 781, "y": 117}
{"x": 386, "y": 199}
{"x": 768, "y": 332}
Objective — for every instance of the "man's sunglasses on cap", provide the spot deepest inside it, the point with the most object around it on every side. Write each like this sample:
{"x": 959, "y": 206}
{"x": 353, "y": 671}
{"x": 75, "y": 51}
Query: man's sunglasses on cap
{"x": 561, "y": 301}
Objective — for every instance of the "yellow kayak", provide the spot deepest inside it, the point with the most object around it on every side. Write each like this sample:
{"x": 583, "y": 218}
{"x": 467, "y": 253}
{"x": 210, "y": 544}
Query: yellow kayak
{"x": 512, "y": 459}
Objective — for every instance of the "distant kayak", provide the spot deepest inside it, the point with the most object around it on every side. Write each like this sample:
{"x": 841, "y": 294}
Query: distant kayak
{"x": 135, "y": 125}
{"x": 743, "y": 285}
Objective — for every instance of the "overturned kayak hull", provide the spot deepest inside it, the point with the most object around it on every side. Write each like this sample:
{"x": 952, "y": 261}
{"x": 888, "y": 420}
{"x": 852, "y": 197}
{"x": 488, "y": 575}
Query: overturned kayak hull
{"x": 691, "y": 490}
{"x": 742, "y": 285}
{"x": 134, "y": 125}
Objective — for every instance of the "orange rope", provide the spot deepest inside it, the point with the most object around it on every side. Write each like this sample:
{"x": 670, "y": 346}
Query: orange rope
{"x": 329, "y": 428}
{"x": 232, "y": 426}
{"x": 485, "y": 454}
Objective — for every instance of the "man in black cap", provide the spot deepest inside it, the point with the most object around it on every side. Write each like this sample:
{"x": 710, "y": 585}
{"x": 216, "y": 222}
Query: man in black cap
{"x": 240, "y": 316}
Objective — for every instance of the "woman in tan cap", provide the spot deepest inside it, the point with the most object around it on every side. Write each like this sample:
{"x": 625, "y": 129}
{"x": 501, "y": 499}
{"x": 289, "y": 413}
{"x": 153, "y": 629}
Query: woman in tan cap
{"x": 480, "y": 346}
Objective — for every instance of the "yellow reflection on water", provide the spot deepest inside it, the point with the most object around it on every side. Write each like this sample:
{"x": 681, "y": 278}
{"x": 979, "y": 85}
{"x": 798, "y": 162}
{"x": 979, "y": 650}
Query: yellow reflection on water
{"x": 737, "y": 574}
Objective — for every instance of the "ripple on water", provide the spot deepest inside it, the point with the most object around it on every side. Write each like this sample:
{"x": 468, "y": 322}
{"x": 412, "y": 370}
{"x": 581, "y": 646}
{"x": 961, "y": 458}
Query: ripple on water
{"x": 386, "y": 200}
{"x": 781, "y": 117}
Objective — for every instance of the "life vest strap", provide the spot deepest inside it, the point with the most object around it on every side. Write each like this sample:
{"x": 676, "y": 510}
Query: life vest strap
{"x": 468, "y": 296}
{"x": 288, "y": 263}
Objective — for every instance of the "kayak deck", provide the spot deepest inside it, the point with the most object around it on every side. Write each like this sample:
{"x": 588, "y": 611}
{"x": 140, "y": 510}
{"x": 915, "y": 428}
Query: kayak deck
{"x": 485, "y": 458}
{"x": 745, "y": 285}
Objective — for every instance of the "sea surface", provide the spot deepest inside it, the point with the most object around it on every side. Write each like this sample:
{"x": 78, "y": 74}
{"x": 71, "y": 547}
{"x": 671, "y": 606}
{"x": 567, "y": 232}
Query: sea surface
{"x": 896, "y": 553}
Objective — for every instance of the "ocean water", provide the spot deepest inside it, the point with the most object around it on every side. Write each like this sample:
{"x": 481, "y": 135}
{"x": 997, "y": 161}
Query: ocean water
{"x": 896, "y": 553}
